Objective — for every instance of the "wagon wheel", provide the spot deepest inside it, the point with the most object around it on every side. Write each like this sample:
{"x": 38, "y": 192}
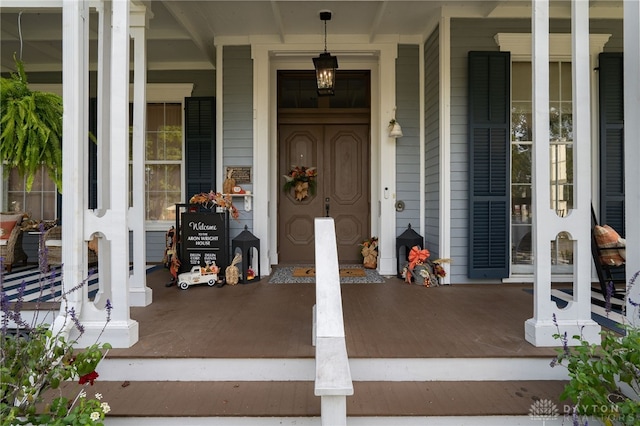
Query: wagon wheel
{"x": 184, "y": 285}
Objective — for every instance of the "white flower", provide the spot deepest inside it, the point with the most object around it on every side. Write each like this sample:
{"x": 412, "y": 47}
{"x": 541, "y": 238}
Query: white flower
{"x": 98, "y": 396}
{"x": 82, "y": 394}
{"x": 105, "y": 407}
{"x": 95, "y": 416}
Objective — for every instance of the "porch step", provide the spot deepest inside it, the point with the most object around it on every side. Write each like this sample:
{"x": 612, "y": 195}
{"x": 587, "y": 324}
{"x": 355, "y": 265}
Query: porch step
{"x": 303, "y": 369}
{"x": 280, "y": 391}
{"x": 269, "y": 399}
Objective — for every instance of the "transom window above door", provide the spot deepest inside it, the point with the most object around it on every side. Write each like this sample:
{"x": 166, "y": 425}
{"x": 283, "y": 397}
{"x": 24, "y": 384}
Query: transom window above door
{"x": 297, "y": 89}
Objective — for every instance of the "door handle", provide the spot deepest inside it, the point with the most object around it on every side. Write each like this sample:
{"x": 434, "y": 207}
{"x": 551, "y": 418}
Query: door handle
{"x": 326, "y": 206}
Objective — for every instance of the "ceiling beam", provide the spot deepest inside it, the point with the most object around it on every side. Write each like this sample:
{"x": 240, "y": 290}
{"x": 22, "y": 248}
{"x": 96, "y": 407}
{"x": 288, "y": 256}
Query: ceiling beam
{"x": 277, "y": 16}
{"x": 373, "y": 29}
{"x": 206, "y": 45}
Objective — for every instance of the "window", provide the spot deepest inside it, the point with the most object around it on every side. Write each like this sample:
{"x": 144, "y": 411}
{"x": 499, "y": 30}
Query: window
{"x": 40, "y": 203}
{"x": 297, "y": 89}
{"x": 560, "y": 157}
{"x": 561, "y": 143}
{"x": 163, "y": 162}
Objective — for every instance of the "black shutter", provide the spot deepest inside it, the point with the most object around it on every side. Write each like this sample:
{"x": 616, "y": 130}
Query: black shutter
{"x": 489, "y": 164}
{"x": 200, "y": 147}
{"x": 611, "y": 141}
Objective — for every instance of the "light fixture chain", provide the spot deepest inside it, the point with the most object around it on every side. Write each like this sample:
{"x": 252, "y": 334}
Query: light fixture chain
{"x": 325, "y": 36}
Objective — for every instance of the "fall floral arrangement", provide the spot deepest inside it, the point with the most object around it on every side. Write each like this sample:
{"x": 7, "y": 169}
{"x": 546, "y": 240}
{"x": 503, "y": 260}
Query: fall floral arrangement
{"x": 417, "y": 258}
{"x": 438, "y": 270}
{"x": 423, "y": 270}
{"x": 369, "y": 252}
{"x": 35, "y": 359}
{"x": 302, "y": 180}
{"x": 212, "y": 199}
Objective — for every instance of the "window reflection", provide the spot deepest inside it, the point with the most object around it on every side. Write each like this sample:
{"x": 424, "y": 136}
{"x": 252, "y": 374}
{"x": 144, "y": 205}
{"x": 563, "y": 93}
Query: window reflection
{"x": 560, "y": 160}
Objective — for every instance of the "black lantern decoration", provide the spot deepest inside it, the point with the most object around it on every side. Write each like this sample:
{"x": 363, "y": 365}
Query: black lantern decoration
{"x": 407, "y": 239}
{"x": 325, "y": 64}
{"x": 245, "y": 242}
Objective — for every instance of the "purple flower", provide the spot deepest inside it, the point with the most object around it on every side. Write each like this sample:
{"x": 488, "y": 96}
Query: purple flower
{"x": 76, "y": 321}
{"x": 108, "y": 308}
{"x": 607, "y": 297}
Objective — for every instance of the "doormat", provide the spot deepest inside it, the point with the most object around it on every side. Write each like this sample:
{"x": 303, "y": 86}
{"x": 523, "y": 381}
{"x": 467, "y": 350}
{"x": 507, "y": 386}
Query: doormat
{"x": 344, "y": 272}
{"x": 285, "y": 275}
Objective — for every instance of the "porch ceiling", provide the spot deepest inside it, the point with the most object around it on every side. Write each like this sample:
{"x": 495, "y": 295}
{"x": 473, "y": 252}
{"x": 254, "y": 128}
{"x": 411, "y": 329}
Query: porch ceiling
{"x": 183, "y": 34}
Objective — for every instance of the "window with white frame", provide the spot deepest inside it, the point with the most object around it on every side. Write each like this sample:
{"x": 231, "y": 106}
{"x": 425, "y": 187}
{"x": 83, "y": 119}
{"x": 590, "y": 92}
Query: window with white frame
{"x": 560, "y": 140}
{"x": 164, "y": 152}
{"x": 163, "y": 160}
{"x": 164, "y": 163}
{"x": 40, "y": 203}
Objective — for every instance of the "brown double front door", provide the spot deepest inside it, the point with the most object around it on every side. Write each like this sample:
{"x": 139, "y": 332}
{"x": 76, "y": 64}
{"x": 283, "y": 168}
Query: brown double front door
{"x": 340, "y": 152}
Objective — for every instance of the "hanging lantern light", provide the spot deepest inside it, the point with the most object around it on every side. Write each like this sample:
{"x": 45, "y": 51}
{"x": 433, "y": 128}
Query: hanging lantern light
{"x": 325, "y": 64}
{"x": 395, "y": 131}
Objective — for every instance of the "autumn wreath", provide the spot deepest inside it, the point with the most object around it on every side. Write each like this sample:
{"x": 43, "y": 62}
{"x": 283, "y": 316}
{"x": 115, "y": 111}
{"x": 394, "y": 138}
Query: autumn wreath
{"x": 302, "y": 180}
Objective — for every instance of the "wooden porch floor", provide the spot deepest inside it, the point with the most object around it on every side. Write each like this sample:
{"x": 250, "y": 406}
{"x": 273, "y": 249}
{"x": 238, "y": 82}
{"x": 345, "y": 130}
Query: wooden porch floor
{"x": 382, "y": 321}
{"x": 388, "y": 320}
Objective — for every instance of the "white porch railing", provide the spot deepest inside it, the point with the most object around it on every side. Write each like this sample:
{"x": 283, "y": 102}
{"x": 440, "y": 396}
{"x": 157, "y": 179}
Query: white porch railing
{"x": 333, "y": 375}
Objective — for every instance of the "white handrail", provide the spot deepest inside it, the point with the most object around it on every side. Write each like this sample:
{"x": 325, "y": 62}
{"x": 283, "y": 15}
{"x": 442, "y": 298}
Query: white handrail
{"x": 333, "y": 376}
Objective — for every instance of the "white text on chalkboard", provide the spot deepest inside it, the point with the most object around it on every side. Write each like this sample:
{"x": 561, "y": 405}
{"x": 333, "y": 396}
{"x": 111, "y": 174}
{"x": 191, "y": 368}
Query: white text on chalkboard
{"x": 200, "y": 226}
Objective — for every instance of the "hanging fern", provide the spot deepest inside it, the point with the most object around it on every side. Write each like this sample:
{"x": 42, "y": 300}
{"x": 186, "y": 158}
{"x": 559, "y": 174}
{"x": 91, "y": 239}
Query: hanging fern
{"x": 31, "y": 129}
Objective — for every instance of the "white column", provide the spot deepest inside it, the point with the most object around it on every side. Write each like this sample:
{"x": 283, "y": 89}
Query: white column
{"x": 115, "y": 220}
{"x": 75, "y": 130}
{"x": 387, "y": 264}
{"x": 632, "y": 149}
{"x": 121, "y": 331}
{"x": 262, "y": 168}
{"x": 103, "y": 145}
{"x": 445, "y": 142}
{"x": 575, "y": 319}
{"x": 140, "y": 294}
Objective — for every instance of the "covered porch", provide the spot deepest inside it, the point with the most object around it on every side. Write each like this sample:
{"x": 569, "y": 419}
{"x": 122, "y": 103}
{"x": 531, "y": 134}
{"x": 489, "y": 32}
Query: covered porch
{"x": 242, "y": 354}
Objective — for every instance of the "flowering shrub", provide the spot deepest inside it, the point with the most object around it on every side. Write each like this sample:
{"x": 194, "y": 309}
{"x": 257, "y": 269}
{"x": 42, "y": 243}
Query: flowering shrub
{"x": 35, "y": 359}
{"x": 83, "y": 412}
{"x": 302, "y": 179}
{"x": 604, "y": 380}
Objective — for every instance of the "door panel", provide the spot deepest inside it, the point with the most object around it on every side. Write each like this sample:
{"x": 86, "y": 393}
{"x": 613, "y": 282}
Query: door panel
{"x": 341, "y": 155}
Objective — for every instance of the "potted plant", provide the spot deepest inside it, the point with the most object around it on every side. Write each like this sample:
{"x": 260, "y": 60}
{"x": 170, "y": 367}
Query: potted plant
{"x": 31, "y": 123}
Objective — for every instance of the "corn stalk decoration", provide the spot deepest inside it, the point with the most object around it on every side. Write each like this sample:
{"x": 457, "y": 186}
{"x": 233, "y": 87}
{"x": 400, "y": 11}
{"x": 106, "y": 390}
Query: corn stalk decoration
{"x": 30, "y": 129}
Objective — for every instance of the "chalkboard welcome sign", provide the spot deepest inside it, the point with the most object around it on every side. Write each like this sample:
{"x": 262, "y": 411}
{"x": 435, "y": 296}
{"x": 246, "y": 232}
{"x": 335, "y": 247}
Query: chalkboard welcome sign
{"x": 203, "y": 240}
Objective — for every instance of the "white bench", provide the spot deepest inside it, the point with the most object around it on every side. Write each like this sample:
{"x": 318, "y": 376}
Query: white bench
{"x": 333, "y": 375}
